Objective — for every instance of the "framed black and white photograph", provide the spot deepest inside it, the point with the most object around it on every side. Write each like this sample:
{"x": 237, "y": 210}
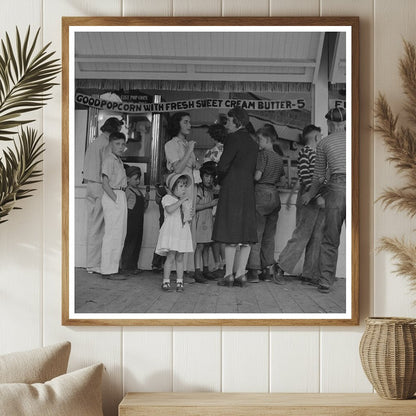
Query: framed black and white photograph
{"x": 210, "y": 171}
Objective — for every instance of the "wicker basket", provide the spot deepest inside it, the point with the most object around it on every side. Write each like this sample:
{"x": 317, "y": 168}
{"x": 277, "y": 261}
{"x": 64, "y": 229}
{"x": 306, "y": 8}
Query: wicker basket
{"x": 388, "y": 356}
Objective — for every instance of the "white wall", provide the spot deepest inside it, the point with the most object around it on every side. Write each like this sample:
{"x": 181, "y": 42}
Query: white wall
{"x": 283, "y": 359}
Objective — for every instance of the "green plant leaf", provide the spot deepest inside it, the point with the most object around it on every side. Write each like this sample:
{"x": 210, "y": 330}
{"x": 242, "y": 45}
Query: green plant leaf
{"x": 19, "y": 51}
{"x": 19, "y": 170}
{"x": 26, "y": 77}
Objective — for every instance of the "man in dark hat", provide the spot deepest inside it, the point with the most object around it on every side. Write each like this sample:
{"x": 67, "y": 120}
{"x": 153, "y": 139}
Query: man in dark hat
{"x": 330, "y": 160}
{"x": 94, "y": 156}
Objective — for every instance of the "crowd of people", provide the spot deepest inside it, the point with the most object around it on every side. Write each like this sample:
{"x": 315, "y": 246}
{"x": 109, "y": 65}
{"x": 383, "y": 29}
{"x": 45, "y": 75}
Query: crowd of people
{"x": 227, "y": 204}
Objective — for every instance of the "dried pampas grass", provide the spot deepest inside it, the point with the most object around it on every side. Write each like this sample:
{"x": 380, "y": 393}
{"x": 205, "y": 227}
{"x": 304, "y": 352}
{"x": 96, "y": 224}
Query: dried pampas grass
{"x": 405, "y": 255}
{"x": 401, "y": 144}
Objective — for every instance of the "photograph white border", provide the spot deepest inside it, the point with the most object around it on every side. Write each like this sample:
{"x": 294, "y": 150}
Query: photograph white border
{"x": 76, "y": 318}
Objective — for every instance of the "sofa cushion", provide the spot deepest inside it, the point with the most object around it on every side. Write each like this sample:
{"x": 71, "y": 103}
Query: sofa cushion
{"x": 73, "y": 394}
{"x": 35, "y": 366}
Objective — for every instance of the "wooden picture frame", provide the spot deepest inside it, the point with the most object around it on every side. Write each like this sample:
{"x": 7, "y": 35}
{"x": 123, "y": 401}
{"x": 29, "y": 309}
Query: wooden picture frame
{"x": 314, "y": 56}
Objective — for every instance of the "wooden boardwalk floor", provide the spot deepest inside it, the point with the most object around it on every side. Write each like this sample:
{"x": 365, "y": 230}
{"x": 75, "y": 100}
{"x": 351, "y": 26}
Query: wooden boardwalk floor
{"x": 142, "y": 294}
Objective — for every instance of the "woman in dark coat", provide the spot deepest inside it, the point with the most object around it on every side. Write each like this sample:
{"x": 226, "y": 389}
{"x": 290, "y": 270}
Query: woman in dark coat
{"x": 235, "y": 220}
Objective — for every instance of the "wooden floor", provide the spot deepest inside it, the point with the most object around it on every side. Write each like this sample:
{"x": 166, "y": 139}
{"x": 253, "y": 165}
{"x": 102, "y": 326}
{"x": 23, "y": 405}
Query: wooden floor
{"x": 142, "y": 294}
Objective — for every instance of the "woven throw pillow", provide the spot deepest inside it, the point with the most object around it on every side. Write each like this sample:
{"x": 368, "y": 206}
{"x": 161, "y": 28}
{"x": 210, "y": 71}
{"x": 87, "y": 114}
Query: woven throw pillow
{"x": 35, "y": 366}
{"x": 73, "y": 394}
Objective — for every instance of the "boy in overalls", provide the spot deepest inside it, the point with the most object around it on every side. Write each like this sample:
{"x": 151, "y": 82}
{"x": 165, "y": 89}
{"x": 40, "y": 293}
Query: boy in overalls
{"x": 137, "y": 204}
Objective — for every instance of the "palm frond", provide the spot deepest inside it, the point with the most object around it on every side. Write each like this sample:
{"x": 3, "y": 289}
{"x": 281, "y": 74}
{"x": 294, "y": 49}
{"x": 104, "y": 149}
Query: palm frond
{"x": 25, "y": 79}
{"x": 19, "y": 168}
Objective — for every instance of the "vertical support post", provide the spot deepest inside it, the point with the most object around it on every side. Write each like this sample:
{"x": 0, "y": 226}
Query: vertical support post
{"x": 92, "y": 126}
{"x": 155, "y": 148}
{"x": 320, "y": 92}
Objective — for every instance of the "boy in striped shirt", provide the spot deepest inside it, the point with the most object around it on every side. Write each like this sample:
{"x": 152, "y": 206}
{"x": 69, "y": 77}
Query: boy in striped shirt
{"x": 331, "y": 157}
{"x": 307, "y": 235}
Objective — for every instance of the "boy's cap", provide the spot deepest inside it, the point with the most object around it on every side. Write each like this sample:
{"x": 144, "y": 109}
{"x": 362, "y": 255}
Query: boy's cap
{"x": 336, "y": 114}
{"x": 173, "y": 177}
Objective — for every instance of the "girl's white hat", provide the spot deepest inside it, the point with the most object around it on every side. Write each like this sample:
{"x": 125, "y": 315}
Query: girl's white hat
{"x": 173, "y": 177}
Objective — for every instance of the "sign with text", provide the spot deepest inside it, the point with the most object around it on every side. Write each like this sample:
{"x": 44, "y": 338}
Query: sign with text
{"x": 183, "y": 105}
{"x": 334, "y": 103}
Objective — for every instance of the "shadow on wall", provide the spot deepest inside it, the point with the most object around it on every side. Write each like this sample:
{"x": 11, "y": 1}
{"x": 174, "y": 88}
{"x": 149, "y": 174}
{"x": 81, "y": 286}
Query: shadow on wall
{"x": 160, "y": 381}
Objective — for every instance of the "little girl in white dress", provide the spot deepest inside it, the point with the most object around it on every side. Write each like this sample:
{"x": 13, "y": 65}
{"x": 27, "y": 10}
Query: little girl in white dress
{"x": 175, "y": 237}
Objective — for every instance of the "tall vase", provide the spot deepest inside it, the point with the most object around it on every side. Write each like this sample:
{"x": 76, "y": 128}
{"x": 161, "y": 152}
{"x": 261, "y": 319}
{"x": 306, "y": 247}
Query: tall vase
{"x": 388, "y": 356}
